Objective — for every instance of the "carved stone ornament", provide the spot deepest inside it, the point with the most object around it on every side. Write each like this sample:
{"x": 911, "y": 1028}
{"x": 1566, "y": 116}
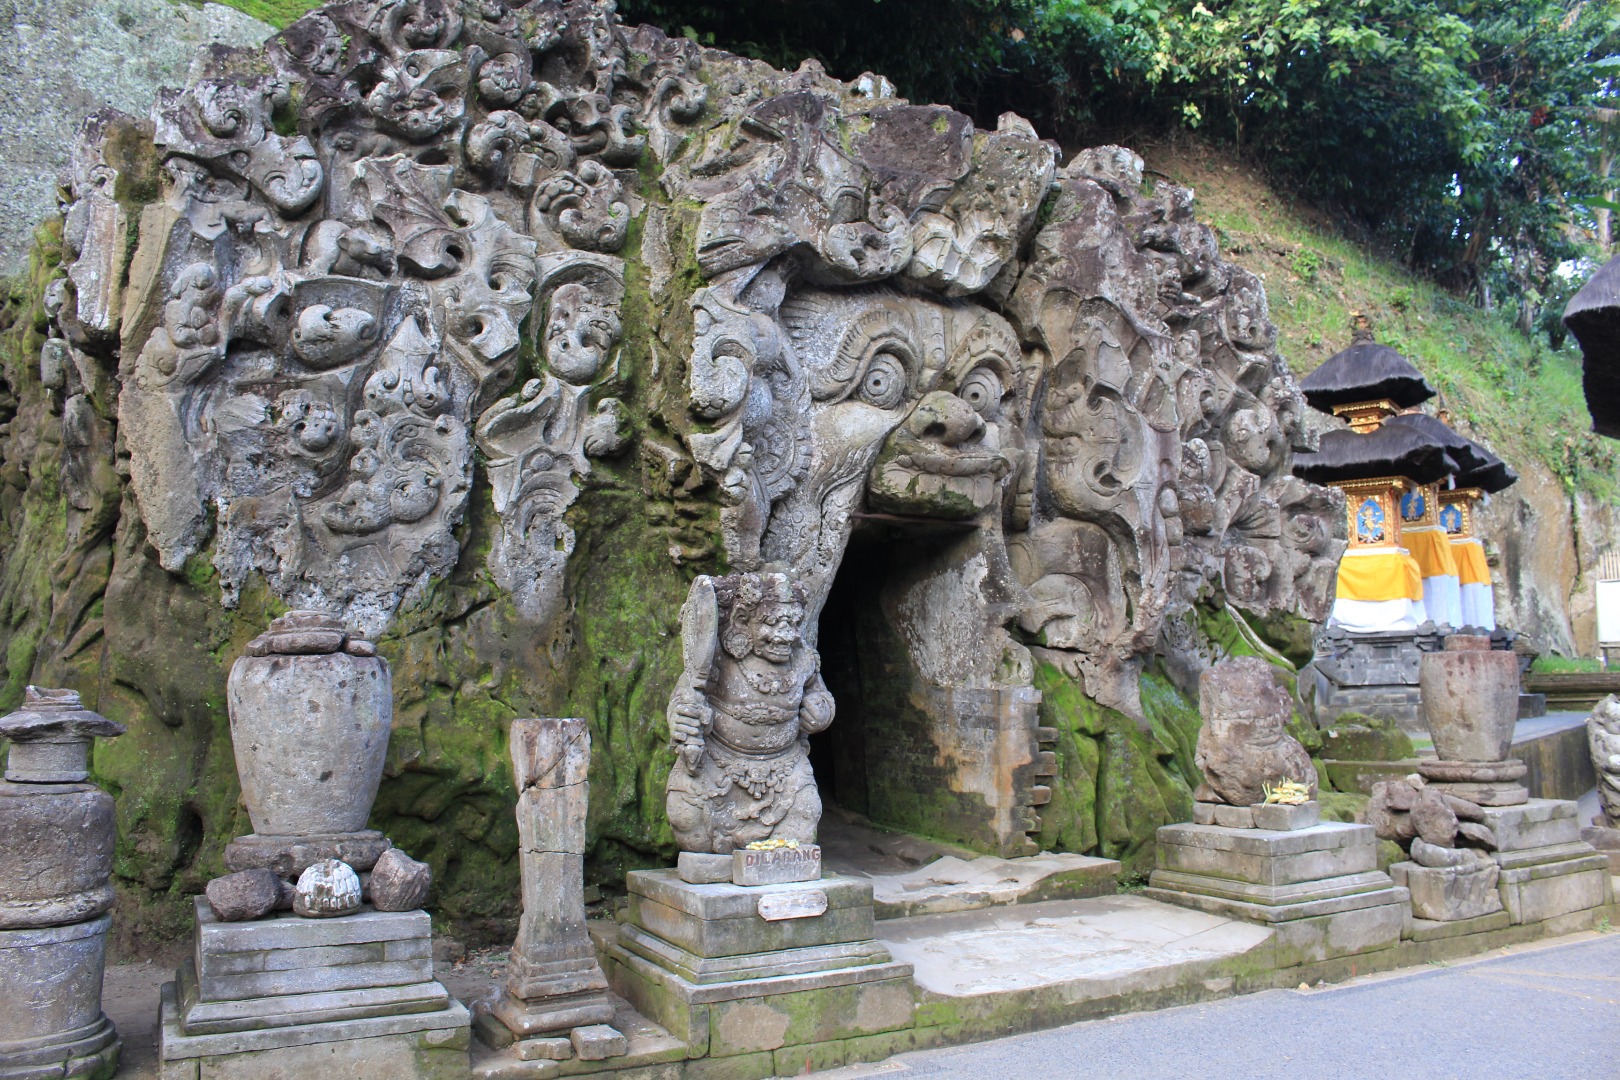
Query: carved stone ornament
{"x": 329, "y": 302}
{"x": 425, "y": 261}
{"x": 1244, "y": 746}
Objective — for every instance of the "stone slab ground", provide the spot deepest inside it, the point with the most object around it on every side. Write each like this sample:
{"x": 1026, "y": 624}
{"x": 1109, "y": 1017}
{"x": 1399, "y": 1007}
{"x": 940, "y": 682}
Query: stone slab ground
{"x": 979, "y": 975}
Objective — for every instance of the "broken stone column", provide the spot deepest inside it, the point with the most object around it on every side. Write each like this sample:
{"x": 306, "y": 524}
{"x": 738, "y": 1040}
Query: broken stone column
{"x": 56, "y": 851}
{"x": 555, "y": 983}
{"x": 335, "y": 985}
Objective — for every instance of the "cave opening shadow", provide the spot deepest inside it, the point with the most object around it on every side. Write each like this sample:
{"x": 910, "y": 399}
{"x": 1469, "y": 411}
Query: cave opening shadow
{"x": 863, "y": 662}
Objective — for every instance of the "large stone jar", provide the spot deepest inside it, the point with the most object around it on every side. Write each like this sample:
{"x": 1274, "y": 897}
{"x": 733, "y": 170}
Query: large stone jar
{"x": 1470, "y": 699}
{"x": 56, "y": 851}
{"x": 311, "y": 707}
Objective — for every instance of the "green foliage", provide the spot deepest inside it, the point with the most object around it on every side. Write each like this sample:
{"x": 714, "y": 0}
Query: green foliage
{"x": 277, "y": 13}
{"x": 1550, "y": 664}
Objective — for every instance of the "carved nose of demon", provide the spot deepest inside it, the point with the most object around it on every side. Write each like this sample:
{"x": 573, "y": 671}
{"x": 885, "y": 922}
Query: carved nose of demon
{"x": 944, "y": 418}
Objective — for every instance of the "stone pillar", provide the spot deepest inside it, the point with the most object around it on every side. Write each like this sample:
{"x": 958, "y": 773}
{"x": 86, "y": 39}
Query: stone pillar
{"x": 555, "y": 981}
{"x": 56, "y": 851}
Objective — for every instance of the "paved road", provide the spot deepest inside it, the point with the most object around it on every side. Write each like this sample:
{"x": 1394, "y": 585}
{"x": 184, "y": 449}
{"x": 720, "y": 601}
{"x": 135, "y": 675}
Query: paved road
{"x": 1533, "y": 1013}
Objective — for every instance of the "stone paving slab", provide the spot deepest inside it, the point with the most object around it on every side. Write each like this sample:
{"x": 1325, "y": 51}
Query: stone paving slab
{"x": 952, "y": 884}
{"x": 1102, "y": 941}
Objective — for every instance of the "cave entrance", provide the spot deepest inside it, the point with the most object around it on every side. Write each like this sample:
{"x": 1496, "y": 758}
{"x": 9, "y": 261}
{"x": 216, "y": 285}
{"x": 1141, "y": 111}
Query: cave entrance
{"x": 869, "y": 761}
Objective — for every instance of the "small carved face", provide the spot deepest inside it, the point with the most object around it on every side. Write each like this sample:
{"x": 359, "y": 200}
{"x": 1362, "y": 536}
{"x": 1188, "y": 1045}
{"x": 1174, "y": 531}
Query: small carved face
{"x": 325, "y": 338}
{"x": 420, "y": 95}
{"x": 959, "y": 255}
{"x": 775, "y": 631}
{"x": 580, "y": 332}
{"x": 1248, "y": 438}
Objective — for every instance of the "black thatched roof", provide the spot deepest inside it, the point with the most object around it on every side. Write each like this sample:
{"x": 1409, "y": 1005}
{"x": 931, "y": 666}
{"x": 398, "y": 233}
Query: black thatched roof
{"x": 1366, "y": 371}
{"x": 1473, "y": 465}
{"x": 1386, "y": 451}
{"x": 1593, "y": 316}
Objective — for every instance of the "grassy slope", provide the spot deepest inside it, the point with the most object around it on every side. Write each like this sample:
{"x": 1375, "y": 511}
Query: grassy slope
{"x": 1520, "y": 397}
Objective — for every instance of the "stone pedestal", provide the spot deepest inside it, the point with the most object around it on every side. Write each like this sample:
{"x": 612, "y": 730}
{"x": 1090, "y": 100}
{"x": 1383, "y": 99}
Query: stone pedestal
{"x": 737, "y": 966}
{"x": 56, "y": 852}
{"x": 1547, "y": 869}
{"x": 51, "y": 1024}
{"x": 1487, "y": 783}
{"x": 1605, "y": 840}
{"x": 1319, "y": 888}
{"x": 288, "y": 996}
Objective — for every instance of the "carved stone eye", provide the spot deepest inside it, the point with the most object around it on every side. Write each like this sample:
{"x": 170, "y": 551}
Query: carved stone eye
{"x": 884, "y": 384}
{"x": 982, "y": 390}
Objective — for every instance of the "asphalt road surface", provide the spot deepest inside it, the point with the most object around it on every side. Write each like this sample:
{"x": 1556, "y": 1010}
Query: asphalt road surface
{"x": 1537, "y": 1012}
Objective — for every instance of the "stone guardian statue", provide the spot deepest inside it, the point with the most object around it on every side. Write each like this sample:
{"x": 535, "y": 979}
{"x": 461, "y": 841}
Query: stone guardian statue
{"x": 742, "y": 715}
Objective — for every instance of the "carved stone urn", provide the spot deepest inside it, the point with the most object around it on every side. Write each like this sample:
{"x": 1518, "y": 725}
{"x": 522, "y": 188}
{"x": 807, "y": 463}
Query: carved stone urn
{"x": 1471, "y": 702}
{"x": 56, "y": 853}
{"x": 311, "y": 707}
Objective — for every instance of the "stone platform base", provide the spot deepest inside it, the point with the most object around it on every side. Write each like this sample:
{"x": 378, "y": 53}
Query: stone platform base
{"x": 1449, "y": 893}
{"x": 413, "y": 1046}
{"x": 89, "y": 1053}
{"x": 1606, "y": 841}
{"x": 752, "y": 969}
{"x": 1319, "y": 889}
{"x": 1547, "y": 869}
{"x": 291, "y": 997}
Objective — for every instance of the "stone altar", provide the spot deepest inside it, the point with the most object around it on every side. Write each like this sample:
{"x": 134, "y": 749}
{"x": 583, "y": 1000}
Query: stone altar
{"x": 335, "y": 982}
{"x": 1316, "y": 883}
{"x": 56, "y": 857}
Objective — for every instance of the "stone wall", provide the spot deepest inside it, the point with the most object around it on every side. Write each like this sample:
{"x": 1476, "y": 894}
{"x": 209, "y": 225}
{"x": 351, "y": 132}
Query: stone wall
{"x": 491, "y": 326}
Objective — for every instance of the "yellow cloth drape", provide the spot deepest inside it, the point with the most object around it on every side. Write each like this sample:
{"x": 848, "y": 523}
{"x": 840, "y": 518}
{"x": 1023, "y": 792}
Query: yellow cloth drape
{"x": 1470, "y": 557}
{"x": 1379, "y": 575}
{"x": 1431, "y": 549}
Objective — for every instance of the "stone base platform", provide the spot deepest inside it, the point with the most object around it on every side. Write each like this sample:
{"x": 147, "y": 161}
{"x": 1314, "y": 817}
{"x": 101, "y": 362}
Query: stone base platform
{"x": 735, "y": 970}
{"x": 88, "y": 1053}
{"x": 1547, "y": 869}
{"x": 1320, "y": 888}
{"x": 1606, "y": 841}
{"x": 279, "y": 996}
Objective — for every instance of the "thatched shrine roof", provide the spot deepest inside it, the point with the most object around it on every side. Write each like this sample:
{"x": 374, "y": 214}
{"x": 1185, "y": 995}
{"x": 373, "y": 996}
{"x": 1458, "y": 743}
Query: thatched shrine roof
{"x": 1385, "y": 451}
{"x": 1593, "y": 316}
{"x": 1366, "y": 371}
{"x": 1475, "y": 466}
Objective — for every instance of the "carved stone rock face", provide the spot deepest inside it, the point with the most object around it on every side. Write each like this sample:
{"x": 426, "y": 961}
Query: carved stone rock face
{"x": 620, "y": 264}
